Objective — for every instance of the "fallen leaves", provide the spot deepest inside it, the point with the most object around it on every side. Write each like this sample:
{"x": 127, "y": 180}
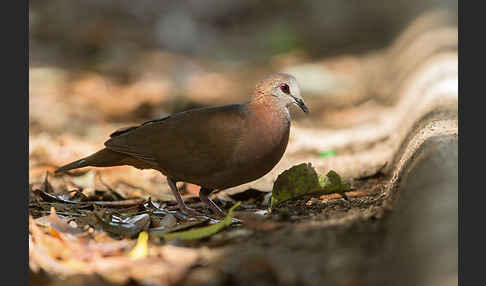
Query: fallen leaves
{"x": 61, "y": 225}
{"x": 123, "y": 227}
{"x": 64, "y": 254}
{"x": 72, "y": 233}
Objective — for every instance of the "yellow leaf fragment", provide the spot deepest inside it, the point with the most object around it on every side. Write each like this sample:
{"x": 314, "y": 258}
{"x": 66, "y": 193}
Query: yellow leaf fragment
{"x": 141, "y": 249}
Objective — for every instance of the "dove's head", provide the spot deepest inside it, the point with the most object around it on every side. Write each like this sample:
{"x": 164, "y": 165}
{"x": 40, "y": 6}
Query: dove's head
{"x": 281, "y": 88}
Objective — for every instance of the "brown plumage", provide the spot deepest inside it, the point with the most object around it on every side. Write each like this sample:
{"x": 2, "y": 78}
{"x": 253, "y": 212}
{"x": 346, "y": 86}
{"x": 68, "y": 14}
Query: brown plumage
{"x": 215, "y": 148}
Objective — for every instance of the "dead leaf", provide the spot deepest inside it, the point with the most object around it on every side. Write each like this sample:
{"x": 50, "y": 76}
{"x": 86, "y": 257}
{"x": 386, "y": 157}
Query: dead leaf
{"x": 61, "y": 225}
{"x": 141, "y": 249}
{"x": 128, "y": 227}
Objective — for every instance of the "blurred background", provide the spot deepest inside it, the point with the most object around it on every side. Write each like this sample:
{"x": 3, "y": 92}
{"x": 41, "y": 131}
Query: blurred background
{"x": 149, "y": 58}
{"x": 98, "y": 65}
{"x": 111, "y": 37}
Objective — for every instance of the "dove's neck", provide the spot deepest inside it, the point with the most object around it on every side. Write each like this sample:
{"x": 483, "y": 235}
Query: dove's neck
{"x": 269, "y": 109}
{"x": 270, "y": 124}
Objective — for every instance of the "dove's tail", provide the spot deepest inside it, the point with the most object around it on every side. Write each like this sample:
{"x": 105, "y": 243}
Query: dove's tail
{"x": 102, "y": 158}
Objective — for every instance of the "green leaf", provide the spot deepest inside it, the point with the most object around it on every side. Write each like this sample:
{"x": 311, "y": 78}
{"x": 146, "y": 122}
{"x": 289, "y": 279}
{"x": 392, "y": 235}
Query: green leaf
{"x": 332, "y": 183}
{"x": 297, "y": 181}
{"x": 201, "y": 232}
{"x": 303, "y": 180}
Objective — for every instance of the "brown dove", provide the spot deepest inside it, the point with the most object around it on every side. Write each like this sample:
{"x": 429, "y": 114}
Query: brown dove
{"x": 214, "y": 147}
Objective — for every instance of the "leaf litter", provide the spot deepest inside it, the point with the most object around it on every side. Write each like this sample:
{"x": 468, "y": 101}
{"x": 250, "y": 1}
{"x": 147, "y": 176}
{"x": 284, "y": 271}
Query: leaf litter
{"x": 82, "y": 225}
{"x": 71, "y": 232}
{"x": 197, "y": 233}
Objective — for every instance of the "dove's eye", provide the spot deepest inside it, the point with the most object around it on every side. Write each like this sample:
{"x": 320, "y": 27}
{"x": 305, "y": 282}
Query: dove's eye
{"x": 285, "y": 88}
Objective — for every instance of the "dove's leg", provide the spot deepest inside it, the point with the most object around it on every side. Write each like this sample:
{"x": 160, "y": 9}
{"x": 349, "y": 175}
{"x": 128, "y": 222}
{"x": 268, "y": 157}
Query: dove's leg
{"x": 180, "y": 201}
{"x": 204, "y": 197}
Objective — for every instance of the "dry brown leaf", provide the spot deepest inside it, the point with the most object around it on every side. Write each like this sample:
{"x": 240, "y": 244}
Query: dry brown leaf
{"x": 64, "y": 255}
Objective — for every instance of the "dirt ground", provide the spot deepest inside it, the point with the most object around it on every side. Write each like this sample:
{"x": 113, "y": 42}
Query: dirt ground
{"x": 388, "y": 119}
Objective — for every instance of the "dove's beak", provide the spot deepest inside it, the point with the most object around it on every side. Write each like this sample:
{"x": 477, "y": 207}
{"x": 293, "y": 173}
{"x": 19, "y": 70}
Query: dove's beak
{"x": 300, "y": 103}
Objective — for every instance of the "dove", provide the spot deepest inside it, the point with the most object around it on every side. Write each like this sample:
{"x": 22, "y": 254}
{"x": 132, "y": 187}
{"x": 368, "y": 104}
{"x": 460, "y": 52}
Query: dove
{"x": 213, "y": 147}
